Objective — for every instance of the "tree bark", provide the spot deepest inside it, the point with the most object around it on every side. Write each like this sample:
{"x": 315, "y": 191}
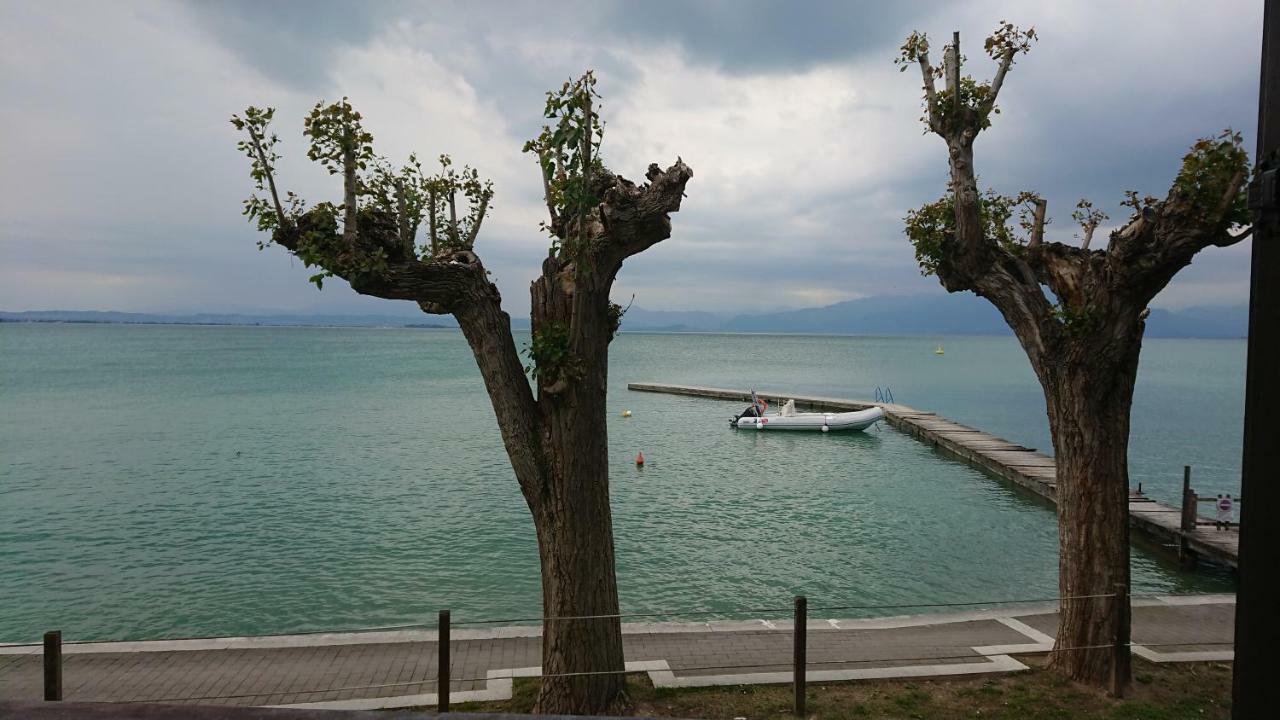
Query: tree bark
{"x": 571, "y": 511}
{"x": 575, "y": 546}
{"x": 968, "y": 203}
{"x": 1088, "y": 398}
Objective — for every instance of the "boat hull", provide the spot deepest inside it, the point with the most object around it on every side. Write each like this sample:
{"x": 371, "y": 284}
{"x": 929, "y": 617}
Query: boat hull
{"x": 819, "y": 422}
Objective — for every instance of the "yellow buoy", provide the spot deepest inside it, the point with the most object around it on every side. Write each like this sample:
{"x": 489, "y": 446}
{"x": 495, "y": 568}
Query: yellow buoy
{"x": 939, "y": 351}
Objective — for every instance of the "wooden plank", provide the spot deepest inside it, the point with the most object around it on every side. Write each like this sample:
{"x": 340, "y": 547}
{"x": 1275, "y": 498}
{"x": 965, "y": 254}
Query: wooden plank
{"x": 1027, "y": 456}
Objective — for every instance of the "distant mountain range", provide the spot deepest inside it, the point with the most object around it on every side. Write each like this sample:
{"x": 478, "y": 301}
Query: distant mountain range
{"x": 958, "y": 314}
{"x": 112, "y": 317}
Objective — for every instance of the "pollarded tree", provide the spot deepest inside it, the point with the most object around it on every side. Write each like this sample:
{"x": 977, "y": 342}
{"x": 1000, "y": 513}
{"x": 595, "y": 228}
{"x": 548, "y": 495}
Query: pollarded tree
{"x": 554, "y": 435}
{"x": 1083, "y": 336}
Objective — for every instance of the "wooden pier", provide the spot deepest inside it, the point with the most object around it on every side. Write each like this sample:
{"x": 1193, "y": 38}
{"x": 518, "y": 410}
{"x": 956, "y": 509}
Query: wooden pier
{"x": 998, "y": 457}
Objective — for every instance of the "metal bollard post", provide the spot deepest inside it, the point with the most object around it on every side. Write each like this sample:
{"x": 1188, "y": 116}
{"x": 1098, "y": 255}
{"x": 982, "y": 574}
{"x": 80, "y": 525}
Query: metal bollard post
{"x": 1188, "y": 520}
{"x": 1188, "y": 501}
{"x": 442, "y": 671}
{"x": 798, "y": 634}
{"x": 53, "y": 665}
{"x": 1120, "y": 655}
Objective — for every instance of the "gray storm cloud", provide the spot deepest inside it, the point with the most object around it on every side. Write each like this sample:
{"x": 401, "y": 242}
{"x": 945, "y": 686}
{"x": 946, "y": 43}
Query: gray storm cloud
{"x": 121, "y": 186}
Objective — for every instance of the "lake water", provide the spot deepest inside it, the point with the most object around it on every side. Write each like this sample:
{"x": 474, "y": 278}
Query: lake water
{"x": 163, "y": 481}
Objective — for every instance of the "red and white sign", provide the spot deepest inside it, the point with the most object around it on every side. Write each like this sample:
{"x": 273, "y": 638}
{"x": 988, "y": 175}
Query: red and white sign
{"x": 1225, "y": 507}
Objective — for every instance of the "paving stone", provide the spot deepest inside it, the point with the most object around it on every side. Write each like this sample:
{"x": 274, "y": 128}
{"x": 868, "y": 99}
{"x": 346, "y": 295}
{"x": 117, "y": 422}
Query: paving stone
{"x": 325, "y": 673}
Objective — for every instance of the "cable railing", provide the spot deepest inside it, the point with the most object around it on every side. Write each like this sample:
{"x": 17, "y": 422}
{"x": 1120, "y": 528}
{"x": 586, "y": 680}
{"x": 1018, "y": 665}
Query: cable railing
{"x": 526, "y": 620}
{"x": 676, "y": 613}
{"x": 759, "y": 650}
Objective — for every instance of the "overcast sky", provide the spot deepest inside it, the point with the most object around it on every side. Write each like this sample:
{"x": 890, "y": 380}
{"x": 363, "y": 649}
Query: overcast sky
{"x": 120, "y": 184}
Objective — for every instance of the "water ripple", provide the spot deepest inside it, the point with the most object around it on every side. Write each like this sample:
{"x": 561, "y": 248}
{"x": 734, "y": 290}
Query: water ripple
{"x": 168, "y": 481}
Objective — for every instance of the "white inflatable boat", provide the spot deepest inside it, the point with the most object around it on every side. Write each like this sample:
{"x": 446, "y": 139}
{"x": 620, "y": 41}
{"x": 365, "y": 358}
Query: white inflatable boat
{"x": 789, "y": 419}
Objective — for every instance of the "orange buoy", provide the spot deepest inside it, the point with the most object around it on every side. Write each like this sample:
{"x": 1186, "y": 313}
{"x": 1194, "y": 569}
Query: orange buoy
{"x": 639, "y": 459}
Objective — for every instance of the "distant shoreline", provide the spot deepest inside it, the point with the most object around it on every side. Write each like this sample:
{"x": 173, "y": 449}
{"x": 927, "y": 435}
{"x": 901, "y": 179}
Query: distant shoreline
{"x": 943, "y": 316}
{"x": 638, "y": 331}
{"x": 197, "y": 323}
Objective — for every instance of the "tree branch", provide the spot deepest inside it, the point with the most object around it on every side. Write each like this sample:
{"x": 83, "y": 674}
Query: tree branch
{"x": 637, "y": 218}
{"x": 474, "y": 230}
{"x": 488, "y": 332}
{"x": 453, "y": 217}
{"x": 458, "y": 284}
{"x": 432, "y": 225}
{"x": 349, "y": 210}
{"x": 1088, "y": 235}
{"x": 1067, "y": 270}
{"x": 1024, "y": 306}
{"x": 447, "y": 282}
{"x": 1037, "y": 224}
{"x": 1138, "y": 226}
{"x": 1146, "y": 254}
{"x": 587, "y": 171}
{"x": 1006, "y": 61}
{"x": 1232, "y": 239}
{"x": 1229, "y": 197}
{"x": 402, "y": 218}
{"x": 930, "y": 93}
{"x": 266, "y": 168}
{"x": 951, "y": 68}
{"x": 544, "y": 168}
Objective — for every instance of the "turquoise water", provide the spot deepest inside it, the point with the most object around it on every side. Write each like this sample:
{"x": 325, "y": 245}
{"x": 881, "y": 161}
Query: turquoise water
{"x": 171, "y": 481}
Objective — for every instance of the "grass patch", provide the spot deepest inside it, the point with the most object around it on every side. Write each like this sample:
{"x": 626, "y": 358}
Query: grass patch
{"x": 1172, "y": 691}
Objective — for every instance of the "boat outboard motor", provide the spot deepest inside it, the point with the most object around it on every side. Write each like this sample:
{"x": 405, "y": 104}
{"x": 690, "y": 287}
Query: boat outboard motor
{"x": 755, "y": 409}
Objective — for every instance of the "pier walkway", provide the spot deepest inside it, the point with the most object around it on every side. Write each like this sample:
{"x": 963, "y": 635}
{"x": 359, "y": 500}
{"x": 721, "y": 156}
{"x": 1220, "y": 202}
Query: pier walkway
{"x": 370, "y": 670}
{"x": 996, "y": 456}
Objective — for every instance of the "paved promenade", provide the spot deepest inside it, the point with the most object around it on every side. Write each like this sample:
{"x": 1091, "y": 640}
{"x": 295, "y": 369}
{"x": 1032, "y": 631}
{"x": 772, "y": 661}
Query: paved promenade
{"x": 398, "y": 669}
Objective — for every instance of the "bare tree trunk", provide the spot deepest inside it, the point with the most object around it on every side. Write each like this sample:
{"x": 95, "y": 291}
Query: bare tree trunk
{"x": 965, "y": 186}
{"x": 571, "y": 512}
{"x": 1088, "y": 398}
{"x": 575, "y": 545}
{"x": 563, "y": 471}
